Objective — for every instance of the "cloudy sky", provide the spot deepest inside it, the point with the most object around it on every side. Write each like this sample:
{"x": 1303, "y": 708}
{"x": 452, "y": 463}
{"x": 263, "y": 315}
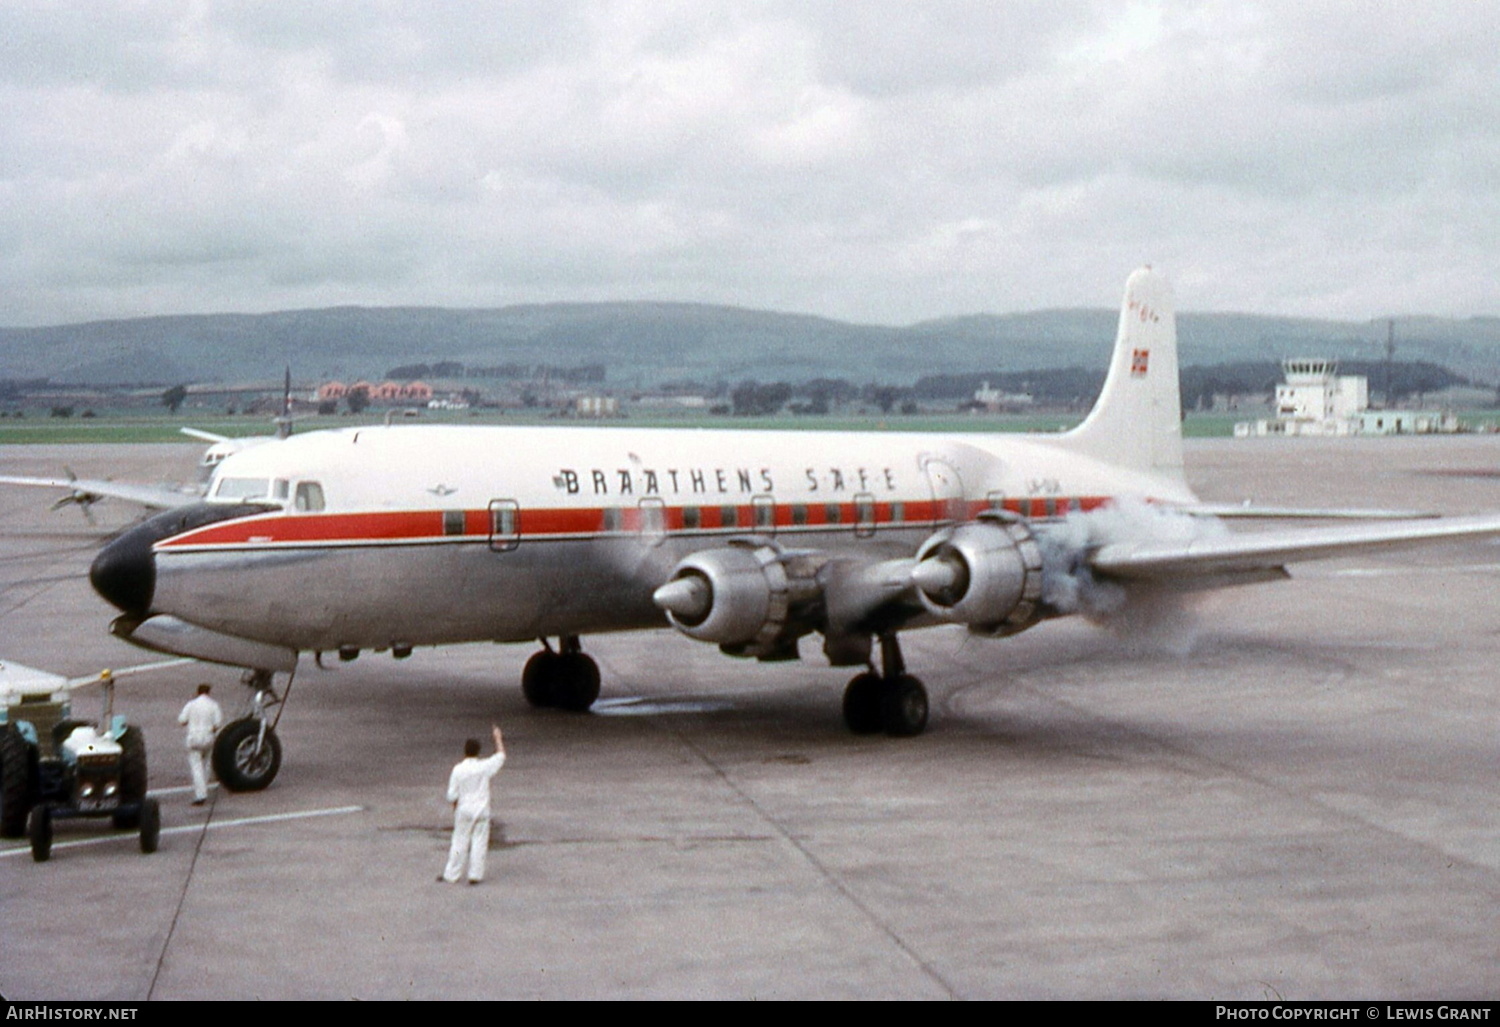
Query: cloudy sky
{"x": 876, "y": 161}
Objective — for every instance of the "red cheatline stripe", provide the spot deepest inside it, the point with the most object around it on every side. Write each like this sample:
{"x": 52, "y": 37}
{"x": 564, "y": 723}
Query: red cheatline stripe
{"x": 430, "y": 525}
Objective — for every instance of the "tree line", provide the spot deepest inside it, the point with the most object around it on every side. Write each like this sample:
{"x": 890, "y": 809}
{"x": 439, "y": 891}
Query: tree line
{"x": 584, "y": 374}
{"x": 1072, "y": 388}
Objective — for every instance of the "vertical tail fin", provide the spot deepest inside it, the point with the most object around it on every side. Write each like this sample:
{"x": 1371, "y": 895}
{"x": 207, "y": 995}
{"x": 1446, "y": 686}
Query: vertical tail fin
{"x": 1137, "y": 421}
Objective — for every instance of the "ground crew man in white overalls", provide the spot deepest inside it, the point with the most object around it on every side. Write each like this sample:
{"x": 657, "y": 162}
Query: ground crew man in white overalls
{"x": 202, "y": 717}
{"x": 469, "y": 792}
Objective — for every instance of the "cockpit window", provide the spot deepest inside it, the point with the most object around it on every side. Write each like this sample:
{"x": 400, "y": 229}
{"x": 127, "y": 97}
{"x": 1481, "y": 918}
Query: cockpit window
{"x": 309, "y": 496}
{"x": 245, "y": 489}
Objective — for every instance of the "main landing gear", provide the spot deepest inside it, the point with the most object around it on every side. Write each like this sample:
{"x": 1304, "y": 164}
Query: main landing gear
{"x": 892, "y": 701}
{"x": 247, "y": 753}
{"x": 566, "y": 678}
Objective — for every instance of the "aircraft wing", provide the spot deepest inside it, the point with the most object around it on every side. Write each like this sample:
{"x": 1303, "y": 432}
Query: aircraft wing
{"x": 1249, "y": 511}
{"x": 203, "y": 436}
{"x": 123, "y": 672}
{"x": 85, "y": 491}
{"x": 1258, "y": 552}
{"x": 16, "y": 679}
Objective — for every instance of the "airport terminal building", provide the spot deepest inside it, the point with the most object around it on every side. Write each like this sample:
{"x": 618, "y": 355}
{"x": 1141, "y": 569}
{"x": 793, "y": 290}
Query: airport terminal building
{"x": 1314, "y": 399}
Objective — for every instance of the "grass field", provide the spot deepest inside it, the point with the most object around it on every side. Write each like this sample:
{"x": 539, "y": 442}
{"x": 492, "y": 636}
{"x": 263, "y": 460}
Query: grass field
{"x": 116, "y": 426}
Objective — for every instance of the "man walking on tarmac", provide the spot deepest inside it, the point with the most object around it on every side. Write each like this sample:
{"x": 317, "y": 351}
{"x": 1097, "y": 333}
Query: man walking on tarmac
{"x": 469, "y": 792}
{"x": 202, "y": 717}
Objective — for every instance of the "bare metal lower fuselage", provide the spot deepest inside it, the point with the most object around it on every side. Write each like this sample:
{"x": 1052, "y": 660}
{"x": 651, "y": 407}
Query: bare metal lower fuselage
{"x": 382, "y": 595}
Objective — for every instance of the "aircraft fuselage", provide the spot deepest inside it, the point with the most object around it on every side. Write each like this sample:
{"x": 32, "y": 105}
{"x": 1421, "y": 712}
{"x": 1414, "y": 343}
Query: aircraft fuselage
{"x": 417, "y": 535}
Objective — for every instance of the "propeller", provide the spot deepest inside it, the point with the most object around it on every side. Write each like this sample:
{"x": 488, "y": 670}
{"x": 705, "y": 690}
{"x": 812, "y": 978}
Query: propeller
{"x": 690, "y": 598}
{"x": 81, "y": 497}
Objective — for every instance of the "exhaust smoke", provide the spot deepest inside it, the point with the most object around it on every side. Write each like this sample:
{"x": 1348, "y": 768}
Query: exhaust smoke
{"x": 1148, "y": 619}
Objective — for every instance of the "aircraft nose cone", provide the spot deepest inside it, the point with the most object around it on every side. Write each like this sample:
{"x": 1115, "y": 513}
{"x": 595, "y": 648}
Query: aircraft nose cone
{"x": 124, "y": 573}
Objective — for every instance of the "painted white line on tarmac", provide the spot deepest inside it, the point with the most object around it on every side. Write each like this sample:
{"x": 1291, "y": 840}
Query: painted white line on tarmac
{"x": 177, "y": 790}
{"x": 213, "y": 825}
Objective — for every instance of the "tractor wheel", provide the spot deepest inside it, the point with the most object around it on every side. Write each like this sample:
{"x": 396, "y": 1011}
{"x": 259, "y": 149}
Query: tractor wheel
{"x": 15, "y": 783}
{"x": 39, "y": 829}
{"x": 132, "y": 777}
{"x": 150, "y": 818}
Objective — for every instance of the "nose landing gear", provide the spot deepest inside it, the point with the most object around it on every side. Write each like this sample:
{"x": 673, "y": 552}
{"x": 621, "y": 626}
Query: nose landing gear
{"x": 247, "y": 752}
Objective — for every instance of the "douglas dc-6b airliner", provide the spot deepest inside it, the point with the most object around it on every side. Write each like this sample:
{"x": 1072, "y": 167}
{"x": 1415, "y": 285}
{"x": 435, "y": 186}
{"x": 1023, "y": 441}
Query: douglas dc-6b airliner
{"x": 390, "y": 538}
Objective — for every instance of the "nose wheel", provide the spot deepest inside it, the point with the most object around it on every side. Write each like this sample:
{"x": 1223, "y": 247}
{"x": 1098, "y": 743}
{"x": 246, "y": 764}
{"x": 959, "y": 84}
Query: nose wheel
{"x": 892, "y": 701}
{"x": 246, "y": 755}
{"x": 566, "y": 678}
{"x": 247, "y": 752}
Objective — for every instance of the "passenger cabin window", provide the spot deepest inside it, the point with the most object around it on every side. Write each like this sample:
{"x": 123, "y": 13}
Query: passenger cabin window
{"x": 309, "y": 497}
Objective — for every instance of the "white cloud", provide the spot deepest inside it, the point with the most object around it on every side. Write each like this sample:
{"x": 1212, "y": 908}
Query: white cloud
{"x": 881, "y": 161}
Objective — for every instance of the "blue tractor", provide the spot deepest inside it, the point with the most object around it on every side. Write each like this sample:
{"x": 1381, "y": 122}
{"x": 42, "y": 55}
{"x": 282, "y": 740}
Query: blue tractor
{"x": 53, "y": 766}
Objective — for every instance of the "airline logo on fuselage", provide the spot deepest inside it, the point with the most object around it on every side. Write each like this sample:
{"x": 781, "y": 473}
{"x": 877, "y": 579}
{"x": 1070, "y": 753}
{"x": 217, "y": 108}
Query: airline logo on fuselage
{"x": 674, "y": 481}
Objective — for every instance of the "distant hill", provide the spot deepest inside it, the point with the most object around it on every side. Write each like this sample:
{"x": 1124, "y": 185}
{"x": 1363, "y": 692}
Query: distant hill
{"x": 649, "y": 343}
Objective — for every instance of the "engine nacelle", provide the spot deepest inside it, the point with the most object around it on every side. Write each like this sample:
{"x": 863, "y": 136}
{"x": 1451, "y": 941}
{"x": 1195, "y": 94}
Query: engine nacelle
{"x": 987, "y": 575}
{"x": 739, "y": 597}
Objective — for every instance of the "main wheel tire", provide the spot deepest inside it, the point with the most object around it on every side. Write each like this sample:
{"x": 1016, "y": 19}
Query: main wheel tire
{"x": 39, "y": 830}
{"x": 539, "y": 679}
{"x": 903, "y": 707}
{"x": 862, "y": 704}
{"x": 15, "y": 782}
{"x": 239, "y": 766}
{"x": 132, "y": 777}
{"x": 150, "y": 821}
{"x": 576, "y": 684}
